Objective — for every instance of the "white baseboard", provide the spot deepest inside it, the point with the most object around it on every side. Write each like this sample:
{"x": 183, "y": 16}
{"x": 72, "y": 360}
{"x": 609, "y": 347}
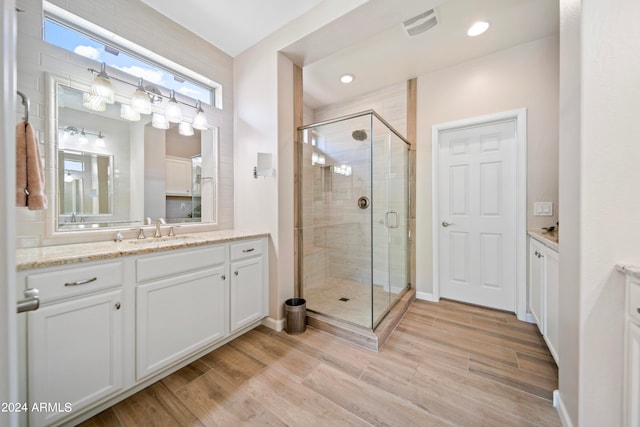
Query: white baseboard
{"x": 562, "y": 410}
{"x": 530, "y": 318}
{"x": 276, "y": 325}
{"x": 426, "y": 296}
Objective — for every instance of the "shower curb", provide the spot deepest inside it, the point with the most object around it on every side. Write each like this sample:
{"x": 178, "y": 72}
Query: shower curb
{"x": 371, "y": 340}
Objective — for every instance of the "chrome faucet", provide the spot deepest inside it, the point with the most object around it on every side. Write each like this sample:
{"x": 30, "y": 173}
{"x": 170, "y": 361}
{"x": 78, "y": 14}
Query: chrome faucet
{"x": 73, "y": 217}
{"x": 159, "y": 221}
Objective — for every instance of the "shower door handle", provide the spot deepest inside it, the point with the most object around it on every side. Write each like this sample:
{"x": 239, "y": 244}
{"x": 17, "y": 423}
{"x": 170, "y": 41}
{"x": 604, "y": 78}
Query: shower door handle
{"x": 387, "y": 218}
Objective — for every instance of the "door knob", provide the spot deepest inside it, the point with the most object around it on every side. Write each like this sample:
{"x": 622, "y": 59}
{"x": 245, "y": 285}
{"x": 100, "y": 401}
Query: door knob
{"x": 446, "y": 224}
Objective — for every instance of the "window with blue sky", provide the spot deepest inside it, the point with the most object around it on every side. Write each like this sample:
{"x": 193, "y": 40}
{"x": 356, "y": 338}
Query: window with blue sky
{"x": 81, "y": 44}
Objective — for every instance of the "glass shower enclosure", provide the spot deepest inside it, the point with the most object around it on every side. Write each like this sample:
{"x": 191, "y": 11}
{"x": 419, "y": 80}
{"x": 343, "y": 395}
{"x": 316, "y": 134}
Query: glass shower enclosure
{"x": 353, "y": 207}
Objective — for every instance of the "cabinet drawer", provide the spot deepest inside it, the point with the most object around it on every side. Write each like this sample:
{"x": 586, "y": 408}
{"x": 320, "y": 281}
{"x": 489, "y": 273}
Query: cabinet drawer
{"x": 634, "y": 301}
{"x": 246, "y": 249}
{"x": 159, "y": 266}
{"x": 61, "y": 284}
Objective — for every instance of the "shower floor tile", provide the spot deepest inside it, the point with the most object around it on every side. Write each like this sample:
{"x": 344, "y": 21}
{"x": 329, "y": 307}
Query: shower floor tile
{"x": 329, "y": 299}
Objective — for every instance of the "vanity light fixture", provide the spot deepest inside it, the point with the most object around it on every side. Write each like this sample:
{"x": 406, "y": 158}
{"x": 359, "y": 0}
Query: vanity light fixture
{"x": 185, "y": 129}
{"x": 101, "y": 86}
{"x": 200, "y": 120}
{"x": 140, "y": 101}
{"x": 172, "y": 111}
{"x": 478, "y": 28}
{"x": 68, "y": 177}
{"x": 159, "y": 121}
{"x": 347, "y": 78}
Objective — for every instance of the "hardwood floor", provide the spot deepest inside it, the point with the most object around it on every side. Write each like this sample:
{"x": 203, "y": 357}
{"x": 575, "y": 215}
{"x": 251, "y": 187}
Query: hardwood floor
{"x": 445, "y": 364}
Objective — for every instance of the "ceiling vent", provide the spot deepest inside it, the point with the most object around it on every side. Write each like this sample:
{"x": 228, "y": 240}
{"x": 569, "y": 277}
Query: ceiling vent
{"x": 420, "y": 23}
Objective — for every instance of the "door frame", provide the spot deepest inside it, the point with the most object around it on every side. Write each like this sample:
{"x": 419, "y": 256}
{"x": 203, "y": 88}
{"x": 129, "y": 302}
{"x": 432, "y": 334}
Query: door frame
{"x": 520, "y": 116}
{"x": 8, "y": 316}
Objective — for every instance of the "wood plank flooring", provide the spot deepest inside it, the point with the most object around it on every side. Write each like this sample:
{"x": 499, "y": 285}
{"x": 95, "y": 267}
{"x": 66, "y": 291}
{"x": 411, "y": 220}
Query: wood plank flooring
{"x": 445, "y": 364}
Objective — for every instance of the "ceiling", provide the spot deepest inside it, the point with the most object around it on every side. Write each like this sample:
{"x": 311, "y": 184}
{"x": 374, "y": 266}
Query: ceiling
{"x": 232, "y": 25}
{"x": 369, "y": 41}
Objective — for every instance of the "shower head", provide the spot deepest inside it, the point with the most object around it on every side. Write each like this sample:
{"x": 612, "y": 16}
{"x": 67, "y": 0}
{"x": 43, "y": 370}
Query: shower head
{"x": 359, "y": 135}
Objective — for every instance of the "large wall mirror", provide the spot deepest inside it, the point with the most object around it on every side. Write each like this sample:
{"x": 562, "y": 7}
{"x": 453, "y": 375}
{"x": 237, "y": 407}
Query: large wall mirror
{"x": 112, "y": 172}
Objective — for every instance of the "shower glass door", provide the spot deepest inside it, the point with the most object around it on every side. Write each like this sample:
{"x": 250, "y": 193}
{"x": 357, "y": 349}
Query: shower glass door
{"x": 335, "y": 177}
{"x": 352, "y": 226}
{"x": 390, "y": 201}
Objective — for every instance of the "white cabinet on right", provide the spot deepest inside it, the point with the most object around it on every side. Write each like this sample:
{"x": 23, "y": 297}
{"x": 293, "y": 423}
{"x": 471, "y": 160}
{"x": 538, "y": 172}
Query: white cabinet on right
{"x": 544, "y": 277}
{"x": 249, "y": 264}
{"x": 632, "y": 348}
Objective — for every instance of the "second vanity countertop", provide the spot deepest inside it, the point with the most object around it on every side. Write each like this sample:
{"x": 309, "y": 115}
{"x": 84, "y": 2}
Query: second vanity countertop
{"x": 549, "y": 239}
{"x": 48, "y": 256}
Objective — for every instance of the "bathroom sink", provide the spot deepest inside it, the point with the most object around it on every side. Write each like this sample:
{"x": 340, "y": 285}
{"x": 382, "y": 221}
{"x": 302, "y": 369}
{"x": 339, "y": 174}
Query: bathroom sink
{"x": 164, "y": 239}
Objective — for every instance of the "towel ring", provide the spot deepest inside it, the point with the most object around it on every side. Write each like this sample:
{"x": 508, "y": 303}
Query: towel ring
{"x": 25, "y": 102}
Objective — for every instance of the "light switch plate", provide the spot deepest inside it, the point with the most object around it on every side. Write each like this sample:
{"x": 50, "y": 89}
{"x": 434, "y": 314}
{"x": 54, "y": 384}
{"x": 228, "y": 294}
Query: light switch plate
{"x": 543, "y": 209}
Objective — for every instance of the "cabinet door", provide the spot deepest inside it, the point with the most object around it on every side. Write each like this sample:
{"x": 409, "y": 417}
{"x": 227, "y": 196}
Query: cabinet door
{"x": 632, "y": 392}
{"x": 536, "y": 283}
{"x": 178, "y": 177}
{"x": 176, "y": 317}
{"x": 247, "y": 294}
{"x": 552, "y": 309}
{"x": 75, "y": 354}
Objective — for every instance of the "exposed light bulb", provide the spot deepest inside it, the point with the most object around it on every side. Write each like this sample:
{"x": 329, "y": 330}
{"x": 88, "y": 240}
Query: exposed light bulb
{"x": 172, "y": 111}
{"x": 140, "y": 101}
{"x": 101, "y": 86}
{"x": 68, "y": 177}
{"x": 200, "y": 120}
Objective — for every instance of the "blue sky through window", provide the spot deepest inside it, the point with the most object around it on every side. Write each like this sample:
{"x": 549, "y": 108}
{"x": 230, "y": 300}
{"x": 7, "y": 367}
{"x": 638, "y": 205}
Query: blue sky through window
{"x": 81, "y": 44}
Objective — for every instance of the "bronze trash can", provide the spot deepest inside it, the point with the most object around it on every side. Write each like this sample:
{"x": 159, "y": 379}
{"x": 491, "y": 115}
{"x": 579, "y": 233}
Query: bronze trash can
{"x": 296, "y": 312}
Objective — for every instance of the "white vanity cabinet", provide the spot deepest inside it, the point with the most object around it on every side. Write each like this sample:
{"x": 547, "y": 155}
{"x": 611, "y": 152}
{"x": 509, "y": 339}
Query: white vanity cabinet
{"x": 75, "y": 339}
{"x": 544, "y": 277}
{"x": 182, "y": 312}
{"x": 248, "y": 283}
{"x": 632, "y": 353}
{"x": 536, "y": 282}
{"x": 106, "y": 328}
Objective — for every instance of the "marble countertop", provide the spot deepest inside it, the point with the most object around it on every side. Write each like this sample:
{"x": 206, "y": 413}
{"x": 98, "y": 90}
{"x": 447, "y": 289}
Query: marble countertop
{"x": 547, "y": 238}
{"x": 48, "y": 256}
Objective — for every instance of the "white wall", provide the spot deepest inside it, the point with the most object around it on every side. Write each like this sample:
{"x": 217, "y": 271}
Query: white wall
{"x": 569, "y": 153}
{"x": 522, "y": 76}
{"x": 601, "y": 123}
{"x": 140, "y": 24}
{"x": 262, "y": 109}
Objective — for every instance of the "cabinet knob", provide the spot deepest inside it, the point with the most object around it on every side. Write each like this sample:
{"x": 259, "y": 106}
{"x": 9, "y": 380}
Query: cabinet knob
{"x": 117, "y": 305}
{"x": 235, "y": 272}
{"x": 638, "y": 310}
{"x": 223, "y": 277}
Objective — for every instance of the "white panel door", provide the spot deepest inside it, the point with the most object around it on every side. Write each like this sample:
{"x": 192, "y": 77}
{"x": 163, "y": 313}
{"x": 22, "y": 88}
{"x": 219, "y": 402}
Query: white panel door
{"x": 477, "y": 214}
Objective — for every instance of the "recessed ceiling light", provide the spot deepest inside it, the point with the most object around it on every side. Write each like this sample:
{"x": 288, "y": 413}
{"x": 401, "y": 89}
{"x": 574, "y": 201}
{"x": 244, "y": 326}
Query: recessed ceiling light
{"x": 478, "y": 28}
{"x": 347, "y": 78}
